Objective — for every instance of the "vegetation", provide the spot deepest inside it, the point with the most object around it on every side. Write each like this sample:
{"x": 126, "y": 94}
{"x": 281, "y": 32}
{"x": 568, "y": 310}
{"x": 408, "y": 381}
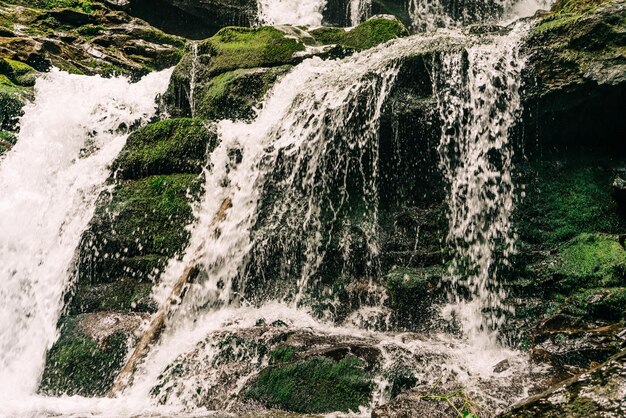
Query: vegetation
{"x": 366, "y": 35}
{"x": 166, "y": 147}
{"x": 79, "y": 365}
{"x": 234, "y": 47}
{"x": 314, "y": 385}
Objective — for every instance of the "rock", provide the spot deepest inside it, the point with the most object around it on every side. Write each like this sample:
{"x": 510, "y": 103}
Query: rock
{"x": 232, "y": 70}
{"x": 87, "y": 355}
{"x": 576, "y": 77}
{"x": 374, "y": 31}
{"x": 92, "y": 39}
{"x": 291, "y": 369}
{"x": 599, "y": 392}
{"x": 166, "y": 147}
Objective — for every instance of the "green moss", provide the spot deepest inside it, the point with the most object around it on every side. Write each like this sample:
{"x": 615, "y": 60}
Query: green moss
{"x": 123, "y": 295}
{"x": 565, "y": 200}
{"x": 235, "y": 47}
{"x": 7, "y": 140}
{"x": 410, "y": 293}
{"x": 282, "y": 354}
{"x": 600, "y": 303}
{"x": 373, "y": 32}
{"x": 368, "y": 34}
{"x": 78, "y": 365}
{"x": 89, "y": 31}
{"x": 555, "y": 21}
{"x": 161, "y": 199}
{"x": 166, "y": 147}
{"x": 138, "y": 228}
{"x": 328, "y": 35}
{"x": 594, "y": 258}
{"x": 12, "y": 99}
{"x": 315, "y": 385}
{"x": 18, "y": 72}
{"x": 159, "y": 37}
{"x": 233, "y": 95}
{"x": 565, "y": 12}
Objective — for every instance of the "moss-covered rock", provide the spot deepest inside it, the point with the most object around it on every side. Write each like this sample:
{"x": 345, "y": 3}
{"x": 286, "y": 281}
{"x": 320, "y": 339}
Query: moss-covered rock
{"x": 235, "y": 94}
{"x": 88, "y": 354}
{"x": 565, "y": 199}
{"x": 315, "y": 385}
{"x": 411, "y": 294}
{"x": 576, "y": 76}
{"x": 368, "y": 34}
{"x": 166, "y": 147}
{"x": 84, "y": 37}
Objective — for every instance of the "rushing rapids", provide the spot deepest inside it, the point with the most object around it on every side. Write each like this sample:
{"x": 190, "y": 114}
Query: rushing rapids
{"x": 287, "y": 242}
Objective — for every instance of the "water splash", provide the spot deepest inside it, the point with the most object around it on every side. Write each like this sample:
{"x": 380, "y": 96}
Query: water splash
{"x": 49, "y": 183}
{"x": 293, "y": 12}
{"x": 478, "y": 98}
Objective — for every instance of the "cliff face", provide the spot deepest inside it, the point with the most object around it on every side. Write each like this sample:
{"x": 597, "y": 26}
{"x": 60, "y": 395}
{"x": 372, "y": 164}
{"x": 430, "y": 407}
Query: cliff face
{"x": 568, "y": 280}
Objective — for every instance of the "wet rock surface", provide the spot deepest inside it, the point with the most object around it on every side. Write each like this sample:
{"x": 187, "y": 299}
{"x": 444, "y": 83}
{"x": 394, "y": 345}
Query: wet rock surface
{"x": 600, "y": 392}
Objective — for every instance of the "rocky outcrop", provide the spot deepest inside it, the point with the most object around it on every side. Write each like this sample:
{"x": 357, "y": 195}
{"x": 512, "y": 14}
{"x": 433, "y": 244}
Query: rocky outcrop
{"x": 237, "y": 66}
{"x": 600, "y": 392}
{"x": 576, "y": 77}
{"x": 87, "y": 39}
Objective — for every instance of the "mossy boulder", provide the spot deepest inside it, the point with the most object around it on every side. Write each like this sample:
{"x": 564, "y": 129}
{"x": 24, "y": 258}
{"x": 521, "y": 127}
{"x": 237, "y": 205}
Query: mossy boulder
{"x": 196, "y": 89}
{"x": 166, "y": 147}
{"x": 374, "y": 31}
{"x": 89, "y": 352}
{"x": 315, "y": 385}
{"x": 16, "y": 81}
{"x": 235, "y": 94}
{"x": 18, "y": 72}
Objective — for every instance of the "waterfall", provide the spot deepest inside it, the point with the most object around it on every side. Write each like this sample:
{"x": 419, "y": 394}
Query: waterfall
{"x": 49, "y": 183}
{"x": 430, "y": 15}
{"x": 359, "y": 11}
{"x": 479, "y": 102}
{"x": 294, "y": 12}
{"x": 317, "y": 131}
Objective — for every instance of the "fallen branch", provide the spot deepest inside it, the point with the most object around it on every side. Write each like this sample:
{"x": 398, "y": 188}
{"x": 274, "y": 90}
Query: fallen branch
{"x": 157, "y": 324}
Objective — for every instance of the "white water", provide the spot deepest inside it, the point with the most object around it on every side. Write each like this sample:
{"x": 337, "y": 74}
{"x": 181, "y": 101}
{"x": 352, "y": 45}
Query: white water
{"x": 360, "y": 10}
{"x": 431, "y": 15}
{"x": 479, "y": 102}
{"x": 293, "y": 12}
{"x": 49, "y": 183}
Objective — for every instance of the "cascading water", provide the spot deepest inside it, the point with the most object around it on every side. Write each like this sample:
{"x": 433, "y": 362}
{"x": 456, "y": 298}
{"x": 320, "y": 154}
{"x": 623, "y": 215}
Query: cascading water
{"x": 294, "y": 12}
{"x": 479, "y": 102}
{"x": 301, "y": 134}
{"x": 359, "y": 11}
{"x": 49, "y": 183}
{"x": 281, "y": 173}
